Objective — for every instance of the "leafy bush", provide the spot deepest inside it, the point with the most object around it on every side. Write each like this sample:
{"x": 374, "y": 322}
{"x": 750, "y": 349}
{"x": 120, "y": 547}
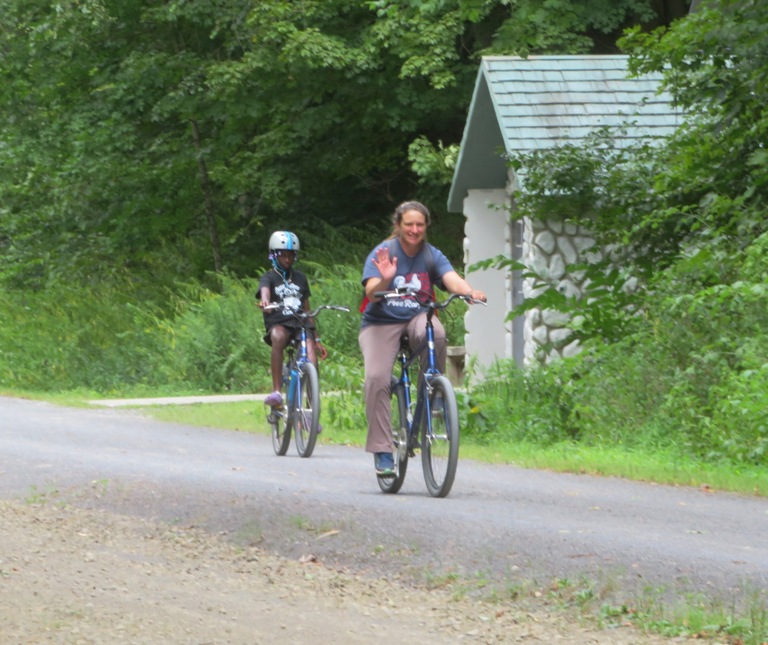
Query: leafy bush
{"x": 513, "y": 404}
{"x": 216, "y": 337}
{"x": 94, "y": 338}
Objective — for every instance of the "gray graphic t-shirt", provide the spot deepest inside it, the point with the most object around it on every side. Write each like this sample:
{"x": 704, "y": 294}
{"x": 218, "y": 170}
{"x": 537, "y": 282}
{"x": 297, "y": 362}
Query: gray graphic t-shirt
{"x": 411, "y": 271}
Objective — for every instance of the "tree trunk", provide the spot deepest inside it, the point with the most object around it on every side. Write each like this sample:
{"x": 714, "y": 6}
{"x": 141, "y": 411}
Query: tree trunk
{"x": 205, "y": 185}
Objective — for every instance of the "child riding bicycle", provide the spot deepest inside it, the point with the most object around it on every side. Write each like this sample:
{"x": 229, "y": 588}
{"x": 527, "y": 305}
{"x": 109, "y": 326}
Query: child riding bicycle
{"x": 288, "y": 287}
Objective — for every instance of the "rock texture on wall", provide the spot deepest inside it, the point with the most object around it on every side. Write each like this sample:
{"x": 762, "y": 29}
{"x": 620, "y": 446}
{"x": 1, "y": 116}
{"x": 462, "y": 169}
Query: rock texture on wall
{"x": 549, "y": 248}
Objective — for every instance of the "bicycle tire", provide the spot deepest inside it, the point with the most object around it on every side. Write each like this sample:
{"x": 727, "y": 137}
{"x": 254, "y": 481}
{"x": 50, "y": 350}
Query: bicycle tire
{"x": 440, "y": 450}
{"x": 281, "y": 433}
{"x": 306, "y": 413}
{"x": 399, "y": 422}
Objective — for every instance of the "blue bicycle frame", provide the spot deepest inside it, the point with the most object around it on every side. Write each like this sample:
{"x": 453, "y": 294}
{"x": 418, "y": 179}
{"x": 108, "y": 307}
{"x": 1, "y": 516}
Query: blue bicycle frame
{"x": 408, "y": 357}
{"x": 301, "y": 382}
{"x": 435, "y": 417}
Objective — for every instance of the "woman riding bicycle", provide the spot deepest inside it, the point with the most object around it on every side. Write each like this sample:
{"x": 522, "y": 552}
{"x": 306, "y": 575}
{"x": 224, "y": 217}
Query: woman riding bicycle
{"x": 289, "y": 287}
{"x": 405, "y": 259}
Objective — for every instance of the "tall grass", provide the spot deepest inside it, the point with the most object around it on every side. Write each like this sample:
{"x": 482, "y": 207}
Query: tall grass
{"x": 127, "y": 336}
{"x": 200, "y": 339}
{"x": 92, "y": 338}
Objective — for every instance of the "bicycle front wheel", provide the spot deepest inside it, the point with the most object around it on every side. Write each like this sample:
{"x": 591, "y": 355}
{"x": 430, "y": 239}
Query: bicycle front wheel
{"x": 440, "y": 445}
{"x": 307, "y": 411}
{"x": 399, "y": 423}
{"x": 281, "y": 433}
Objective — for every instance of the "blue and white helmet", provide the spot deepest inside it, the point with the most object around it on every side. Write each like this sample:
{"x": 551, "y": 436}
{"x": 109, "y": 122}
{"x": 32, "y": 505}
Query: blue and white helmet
{"x": 283, "y": 241}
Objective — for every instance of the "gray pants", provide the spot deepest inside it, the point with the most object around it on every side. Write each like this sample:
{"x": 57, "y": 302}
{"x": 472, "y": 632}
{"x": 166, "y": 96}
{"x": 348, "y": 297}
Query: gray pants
{"x": 379, "y": 345}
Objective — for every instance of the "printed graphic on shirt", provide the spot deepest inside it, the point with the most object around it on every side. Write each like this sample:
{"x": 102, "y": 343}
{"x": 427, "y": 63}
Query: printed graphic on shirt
{"x": 415, "y": 280}
{"x": 289, "y": 296}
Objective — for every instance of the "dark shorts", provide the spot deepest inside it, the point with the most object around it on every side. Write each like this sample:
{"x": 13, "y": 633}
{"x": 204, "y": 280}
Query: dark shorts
{"x": 292, "y": 327}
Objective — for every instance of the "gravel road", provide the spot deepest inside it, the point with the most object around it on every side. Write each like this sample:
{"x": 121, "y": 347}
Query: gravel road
{"x": 118, "y": 528}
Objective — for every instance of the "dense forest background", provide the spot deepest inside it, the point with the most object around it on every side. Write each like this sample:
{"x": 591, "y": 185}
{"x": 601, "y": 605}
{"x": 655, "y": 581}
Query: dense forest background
{"x": 137, "y": 132}
{"x": 148, "y": 149}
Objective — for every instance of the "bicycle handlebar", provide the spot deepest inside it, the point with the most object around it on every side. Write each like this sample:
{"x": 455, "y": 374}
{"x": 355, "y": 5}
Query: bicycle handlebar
{"x": 301, "y": 313}
{"x": 425, "y": 298}
{"x": 332, "y": 307}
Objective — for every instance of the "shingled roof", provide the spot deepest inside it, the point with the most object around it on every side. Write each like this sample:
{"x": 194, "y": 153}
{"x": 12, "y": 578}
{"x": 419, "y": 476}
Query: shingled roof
{"x": 525, "y": 104}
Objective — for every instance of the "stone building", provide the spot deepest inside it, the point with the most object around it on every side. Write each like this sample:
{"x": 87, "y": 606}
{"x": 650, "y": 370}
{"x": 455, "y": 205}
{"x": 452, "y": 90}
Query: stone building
{"x": 519, "y": 106}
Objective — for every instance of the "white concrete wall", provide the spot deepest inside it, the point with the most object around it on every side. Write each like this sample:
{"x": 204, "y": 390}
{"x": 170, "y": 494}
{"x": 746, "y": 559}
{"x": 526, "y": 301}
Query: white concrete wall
{"x": 488, "y": 234}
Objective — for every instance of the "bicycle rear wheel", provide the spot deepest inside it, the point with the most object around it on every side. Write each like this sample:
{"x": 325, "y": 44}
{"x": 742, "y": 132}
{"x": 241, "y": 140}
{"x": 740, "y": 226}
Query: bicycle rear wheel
{"x": 281, "y": 433}
{"x": 440, "y": 448}
{"x": 399, "y": 421}
{"x": 307, "y": 411}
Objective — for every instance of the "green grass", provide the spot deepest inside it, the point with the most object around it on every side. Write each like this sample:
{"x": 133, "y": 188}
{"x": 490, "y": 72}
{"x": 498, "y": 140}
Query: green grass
{"x": 659, "y": 467}
{"x": 242, "y": 416}
{"x": 73, "y": 399}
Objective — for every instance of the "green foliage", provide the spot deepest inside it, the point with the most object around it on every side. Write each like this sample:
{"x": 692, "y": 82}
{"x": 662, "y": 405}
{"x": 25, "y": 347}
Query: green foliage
{"x": 715, "y": 67}
{"x": 217, "y": 338}
{"x": 717, "y": 335}
{"x": 344, "y": 415}
{"x": 513, "y": 405}
{"x": 672, "y": 321}
{"x": 80, "y": 338}
{"x": 193, "y": 127}
{"x": 130, "y": 334}
{"x": 71, "y": 338}
{"x": 690, "y": 378}
{"x": 563, "y": 26}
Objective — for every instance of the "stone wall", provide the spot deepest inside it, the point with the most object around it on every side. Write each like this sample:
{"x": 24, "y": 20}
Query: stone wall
{"x": 549, "y": 247}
